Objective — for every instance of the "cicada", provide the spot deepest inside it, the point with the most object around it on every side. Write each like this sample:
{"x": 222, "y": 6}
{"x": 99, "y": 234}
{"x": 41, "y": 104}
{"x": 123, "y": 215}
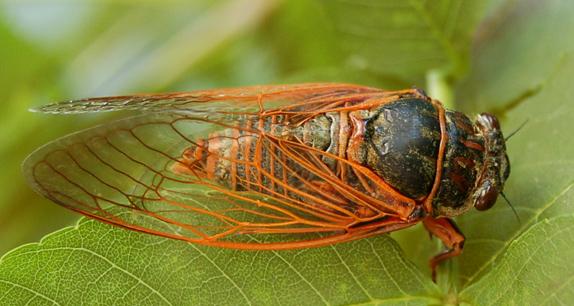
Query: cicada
{"x": 276, "y": 167}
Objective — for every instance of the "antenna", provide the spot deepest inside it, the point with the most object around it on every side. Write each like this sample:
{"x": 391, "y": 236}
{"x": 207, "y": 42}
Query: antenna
{"x": 516, "y": 131}
{"x": 512, "y": 207}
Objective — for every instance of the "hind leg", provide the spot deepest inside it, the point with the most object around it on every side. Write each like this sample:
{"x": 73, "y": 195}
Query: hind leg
{"x": 447, "y": 231}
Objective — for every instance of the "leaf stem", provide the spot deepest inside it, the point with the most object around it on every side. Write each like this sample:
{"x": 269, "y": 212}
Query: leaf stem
{"x": 439, "y": 87}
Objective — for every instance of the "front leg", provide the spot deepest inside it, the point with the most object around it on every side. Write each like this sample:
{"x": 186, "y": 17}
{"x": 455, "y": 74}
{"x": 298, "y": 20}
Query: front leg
{"x": 447, "y": 231}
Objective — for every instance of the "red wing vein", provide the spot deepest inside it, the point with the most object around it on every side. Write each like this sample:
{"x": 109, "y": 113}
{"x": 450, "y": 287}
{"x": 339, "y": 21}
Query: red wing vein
{"x": 114, "y": 168}
{"x": 141, "y": 166}
{"x": 315, "y": 199}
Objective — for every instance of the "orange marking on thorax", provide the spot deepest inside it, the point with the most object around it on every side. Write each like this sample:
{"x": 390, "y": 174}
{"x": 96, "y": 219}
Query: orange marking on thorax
{"x": 354, "y": 147}
{"x": 472, "y": 145}
{"x": 427, "y": 203}
{"x": 357, "y": 138}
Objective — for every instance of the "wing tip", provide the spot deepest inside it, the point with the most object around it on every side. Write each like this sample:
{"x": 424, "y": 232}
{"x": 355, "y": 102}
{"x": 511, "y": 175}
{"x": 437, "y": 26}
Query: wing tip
{"x": 27, "y": 170}
{"x": 37, "y": 109}
{"x": 57, "y": 108}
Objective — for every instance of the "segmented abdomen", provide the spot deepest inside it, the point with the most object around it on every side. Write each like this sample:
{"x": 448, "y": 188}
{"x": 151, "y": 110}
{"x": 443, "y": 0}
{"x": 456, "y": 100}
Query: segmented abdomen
{"x": 251, "y": 155}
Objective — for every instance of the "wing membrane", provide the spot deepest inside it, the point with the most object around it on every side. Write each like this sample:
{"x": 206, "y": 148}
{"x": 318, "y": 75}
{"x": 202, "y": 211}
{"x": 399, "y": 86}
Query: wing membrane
{"x": 238, "y": 99}
{"x": 140, "y": 172}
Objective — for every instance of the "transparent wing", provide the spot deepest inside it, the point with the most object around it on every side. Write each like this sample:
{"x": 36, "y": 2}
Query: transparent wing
{"x": 157, "y": 173}
{"x": 237, "y": 99}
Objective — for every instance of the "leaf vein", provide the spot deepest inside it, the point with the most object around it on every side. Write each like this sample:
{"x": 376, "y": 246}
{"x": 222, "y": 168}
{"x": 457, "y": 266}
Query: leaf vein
{"x": 30, "y": 290}
{"x": 223, "y": 273}
{"x": 518, "y": 232}
{"x": 351, "y": 272}
{"x": 111, "y": 263}
{"x": 528, "y": 259}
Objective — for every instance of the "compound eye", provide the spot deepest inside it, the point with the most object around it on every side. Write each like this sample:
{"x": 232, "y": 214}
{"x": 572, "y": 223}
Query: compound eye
{"x": 491, "y": 121}
{"x": 487, "y": 198}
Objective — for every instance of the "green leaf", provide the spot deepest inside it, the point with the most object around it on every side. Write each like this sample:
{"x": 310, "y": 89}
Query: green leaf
{"x": 406, "y": 39}
{"x": 515, "y": 52}
{"x": 542, "y": 174}
{"x": 100, "y": 264}
{"x": 535, "y": 270}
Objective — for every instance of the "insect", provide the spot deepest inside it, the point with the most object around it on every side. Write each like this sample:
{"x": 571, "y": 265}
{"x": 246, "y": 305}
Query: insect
{"x": 276, "y": 167}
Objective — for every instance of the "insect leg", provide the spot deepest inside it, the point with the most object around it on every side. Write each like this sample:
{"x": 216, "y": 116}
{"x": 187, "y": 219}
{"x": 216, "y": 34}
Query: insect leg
{"x": 447, "y": 231}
